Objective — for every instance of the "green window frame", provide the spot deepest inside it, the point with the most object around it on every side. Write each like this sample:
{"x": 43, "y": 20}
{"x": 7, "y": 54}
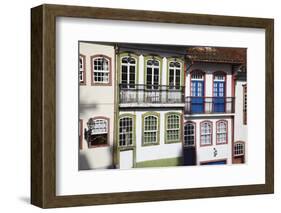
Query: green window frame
{"x": 127, "y": 137}
{"x": 153, "y": 69}
{"x": 172, "y": 70}
{"x": 136, "y": 65}
{"x": 173, "y": 127}
{"x": 150, "y": 129}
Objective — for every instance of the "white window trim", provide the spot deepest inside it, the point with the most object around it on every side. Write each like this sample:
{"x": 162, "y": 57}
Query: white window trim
{"x": 152, "y": 71}
{"x": 156, "y": 130}
{"x": 171, "y": 129}
{"x": 82, "y": 70}
{"x": 106, "y": 126}
{"x": 128, "y": 65}
{"x": 220, "y": 133}
{"x": 132, "y": 132}
{"x": 205, "y": 134}
{"x": 243, "y": 149}
{"x": 193, "y": 75}
{"x": 174, "y": 68}
{"x": 186, "y": 135}
{"x": 101, "y": 71}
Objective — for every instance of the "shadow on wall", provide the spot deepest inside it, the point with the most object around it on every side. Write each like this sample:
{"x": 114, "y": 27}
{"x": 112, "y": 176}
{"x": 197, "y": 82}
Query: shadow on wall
{"x": 83, "y": 107}
{"x": 83, "y": 162}
{"x": 96, "y": 159}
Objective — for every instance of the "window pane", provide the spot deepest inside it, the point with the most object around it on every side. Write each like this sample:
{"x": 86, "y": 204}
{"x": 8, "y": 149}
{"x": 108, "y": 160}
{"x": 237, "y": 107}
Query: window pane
{"x": 189, "y": 134}
{"x": 149, "y": 76}
{"x": 81, "y": 69}
{"x": 239, "y": 149}
{"x": 125, "y": 131}
{"x": 150, "y": 129}
{"x": 132, "y": 75}
{"x": 101, "y": 70}
{"x": 206, "y": 133}
{"x": 173, "y": 128}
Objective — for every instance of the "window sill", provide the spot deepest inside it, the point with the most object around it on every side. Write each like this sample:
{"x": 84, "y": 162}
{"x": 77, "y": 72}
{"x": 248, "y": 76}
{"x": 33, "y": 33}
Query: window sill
{"x": 221, "y": 143}
{"x": 205, "y": 145}
{"x": 171, "y": 142}
{"x": 153, "y": 144}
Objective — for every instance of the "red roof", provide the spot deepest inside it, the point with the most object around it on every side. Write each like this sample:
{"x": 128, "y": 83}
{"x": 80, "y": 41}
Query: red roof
{"x": 217, "y": 54}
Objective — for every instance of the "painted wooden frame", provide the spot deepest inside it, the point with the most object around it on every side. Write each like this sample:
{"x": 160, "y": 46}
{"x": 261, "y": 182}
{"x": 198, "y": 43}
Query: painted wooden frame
{"x": 43, "y": 105}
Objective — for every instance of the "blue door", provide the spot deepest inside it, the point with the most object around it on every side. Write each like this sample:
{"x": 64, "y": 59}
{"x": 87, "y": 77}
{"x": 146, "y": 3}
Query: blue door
{"x": 219, "y": 96}
{"x": 197, "y": 96}
{"x": 215, "y": 163}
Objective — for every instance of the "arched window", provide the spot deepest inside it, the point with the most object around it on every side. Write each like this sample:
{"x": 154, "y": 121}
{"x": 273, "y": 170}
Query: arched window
{"x": 152, "y": 73}
{"x": 173, "y": 128}
{"x": 82, "y": 69}
{"x": 175, "y": 74}
{"x": 219, "y": 84}
{"x": 197, "y": 91}
{"x": 126, "y": 131}
{"x": 206, "y": 133}
{"x": 197, "y": 75}
{"x": 128, "y": 72}
{"x": 151, "y": 130}
{"x": 221, "y": 132}
{"x": 98, "y": 131}
{"x": 239, "y": 149}
{"x": 219, "y": 91}
{"x": 189, "y": 134}
{"x": 101, "y": 70}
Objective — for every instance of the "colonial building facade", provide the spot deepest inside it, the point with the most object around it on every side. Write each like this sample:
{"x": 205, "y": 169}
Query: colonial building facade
{"x": 149, "y": 105}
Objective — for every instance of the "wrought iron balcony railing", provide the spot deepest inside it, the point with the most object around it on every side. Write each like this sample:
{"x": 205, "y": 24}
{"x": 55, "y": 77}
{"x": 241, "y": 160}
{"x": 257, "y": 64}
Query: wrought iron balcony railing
{"x": 153, "y": 94}
{"x": 200, "y": 105}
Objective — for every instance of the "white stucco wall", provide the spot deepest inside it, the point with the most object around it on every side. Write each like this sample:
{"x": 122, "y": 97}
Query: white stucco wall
{"x": 154, "y": 152}
{"x": 240, "y": 128}
{"x": 97, "y": 101}
{"x": 209, "y": 69}
{"x": 206, "y": 153}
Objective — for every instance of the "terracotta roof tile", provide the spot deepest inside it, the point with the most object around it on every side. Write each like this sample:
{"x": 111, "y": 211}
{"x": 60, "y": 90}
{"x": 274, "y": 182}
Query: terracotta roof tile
{"x": 217, "y": 54}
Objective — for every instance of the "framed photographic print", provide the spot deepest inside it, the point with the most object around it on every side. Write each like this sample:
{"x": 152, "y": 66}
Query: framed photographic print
{"x": 137, "y": 106}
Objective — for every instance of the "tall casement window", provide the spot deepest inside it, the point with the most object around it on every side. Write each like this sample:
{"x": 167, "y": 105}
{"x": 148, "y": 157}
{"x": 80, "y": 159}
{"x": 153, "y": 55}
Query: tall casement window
{"x": 189, "y": 134}
{"x": 101, "y": 70}
{"x": 197, "y": 91}
{"x": 239, "y": 148}
{"x": 126, "y": 131}
{"x": 128, "y": 72}
{"x": 206, "y": 133}
{"x": 152, "y": 72}
{"x": 245, "y": 104}
{"x": 173, "y": 127}
{"x": 82, "y": 69}
{"x": 219, "y": 92}
{"x": 99, "y": 134}
{"x": 151, "y": 126}
{"x": 174, "y": 74}
{"x": 221, "y": 132}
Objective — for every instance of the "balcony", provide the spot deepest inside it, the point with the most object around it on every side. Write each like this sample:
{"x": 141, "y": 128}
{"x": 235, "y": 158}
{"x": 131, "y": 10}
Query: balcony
{"x": 209, "y": 105}
{"x": 140, "y": 95}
